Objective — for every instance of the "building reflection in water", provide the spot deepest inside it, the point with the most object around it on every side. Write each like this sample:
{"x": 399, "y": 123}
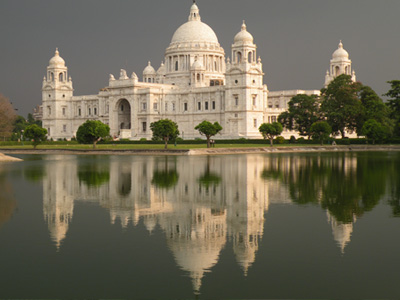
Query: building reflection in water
{"x": 201, "y": 202}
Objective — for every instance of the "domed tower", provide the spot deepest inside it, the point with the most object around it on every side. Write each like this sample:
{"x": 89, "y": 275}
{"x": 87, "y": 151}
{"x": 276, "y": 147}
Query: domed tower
{"x": 149, "y": 74}
{"x": 340, "y": 64}
{"x": 161, "y": 73}
{"x": 57, "y": 92}
{"x": 194, "y": 41}
{"x": 245, "y": 97}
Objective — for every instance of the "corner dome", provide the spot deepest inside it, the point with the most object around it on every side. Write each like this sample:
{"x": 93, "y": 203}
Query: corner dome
{"x": 56, "y": 60}
{"x": 194, "y": 31}
{"x": 161, "y": 70}
{"x": 197, "y": 65}
{"x": 243, "y": 36}
{"x": 149, "y": 70}
{"x": 340, "y": 53}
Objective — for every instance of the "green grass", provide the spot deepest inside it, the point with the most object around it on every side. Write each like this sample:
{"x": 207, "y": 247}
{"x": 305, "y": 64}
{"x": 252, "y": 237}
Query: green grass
{"x": 147, "y": 146}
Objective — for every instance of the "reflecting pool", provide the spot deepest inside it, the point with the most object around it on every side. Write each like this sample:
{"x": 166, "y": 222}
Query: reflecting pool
{"x": 312, "y": 225}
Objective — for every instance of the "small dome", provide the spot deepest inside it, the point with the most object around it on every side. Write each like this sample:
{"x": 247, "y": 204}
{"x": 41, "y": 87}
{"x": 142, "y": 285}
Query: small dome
{"x": 340, "y": 53}
{"x": 197, "y": 65}
{"x": 243, "y": 36}
{"x": 162, "y": 70}
{"x": 56, "y": 60}
{"x": 149, "y": 70}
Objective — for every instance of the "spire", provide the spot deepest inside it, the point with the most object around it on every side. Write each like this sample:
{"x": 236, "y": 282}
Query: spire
{"x": 340, "y": 44}
{"x": 194, "y": 12}
{"x": 56, "y": 53}
{"x": 244, "y": 27}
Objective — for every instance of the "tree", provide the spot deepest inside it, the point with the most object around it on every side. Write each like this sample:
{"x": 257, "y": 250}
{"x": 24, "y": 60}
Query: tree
{"x": 36, "y": 134}
{"x": 341, "y": 104}
{"x": 92, "y": 132}
{"x": 303, "y": 111}
{"x": 375, "y": 131}
{"x": 164, "y": 130}
{"x": 7, "y": 117}
{"x": 208, "y": 130}
{"x": 394, "y": 103}
{"x": 269, "y": 131}
{"x": 320, "y": 131}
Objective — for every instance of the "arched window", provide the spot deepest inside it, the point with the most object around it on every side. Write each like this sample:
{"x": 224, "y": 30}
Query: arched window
{"x": 337, "y": 71}
{"x": 198, "y": 77}
{"x": 60, "y": 77}
{"x": 239, "y": 57}
{"x": 52, "y": 76}
{"x": 176, "y": 66}
{"x": 250, "y": 57}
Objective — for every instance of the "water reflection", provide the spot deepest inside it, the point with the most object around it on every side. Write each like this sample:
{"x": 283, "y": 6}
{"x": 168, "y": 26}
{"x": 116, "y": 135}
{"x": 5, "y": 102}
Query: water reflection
{"x": 201, "y": 203}
{"x": 7, "y": 199}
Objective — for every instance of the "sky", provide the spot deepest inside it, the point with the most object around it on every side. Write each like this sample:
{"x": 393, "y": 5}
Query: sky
{"x": 295, "y": 39}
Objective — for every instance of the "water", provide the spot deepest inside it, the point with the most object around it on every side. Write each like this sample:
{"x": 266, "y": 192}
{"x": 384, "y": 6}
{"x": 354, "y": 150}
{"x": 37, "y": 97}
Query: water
{"x": 250, "y": 226}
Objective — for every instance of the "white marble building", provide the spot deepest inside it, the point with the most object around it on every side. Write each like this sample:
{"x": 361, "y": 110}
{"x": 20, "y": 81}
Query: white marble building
{"x": 195, "y": 83}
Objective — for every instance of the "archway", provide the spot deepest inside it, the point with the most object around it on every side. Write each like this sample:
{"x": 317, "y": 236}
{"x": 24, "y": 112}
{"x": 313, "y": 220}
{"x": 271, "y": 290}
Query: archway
{"x": 124, "y": 114}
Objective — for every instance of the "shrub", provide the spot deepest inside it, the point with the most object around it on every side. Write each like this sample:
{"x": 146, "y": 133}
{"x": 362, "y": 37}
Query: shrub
{"x": 280, "y": 140}
{"x": 292, "y": 139}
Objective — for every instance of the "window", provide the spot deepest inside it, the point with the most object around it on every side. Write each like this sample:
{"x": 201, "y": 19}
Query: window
{"x": 269, "y": 105}
{"x": 199, "y": 105}
{"x": 95, "y": 111}
{"x": 144, "y": 126}
{"x": 206, "y": 105}
{"x": 276, "y": 104}
{"x": 144, "y": 106}
{"x": 155, "y": 106}
{"x": 236, "y": 100}
{"x": 236, "y": 115}
{"x": 90, "y": 111}
{"x": 166, "y": 106}
{"x": 107, "y": 109}
{"x": 64, "y": 128}
{"x": 255, "y": 123}
{"x": 173, "y": 106}
{"x": 213, "y": 105}
{"x": 63, "y": 111}
{"x": 185, "y": 106}
{"x": 79, "y": 112}
{"x": 122, "y": 107}
{"x": 273, "y": 119}
{"x": 254, "y": 100}
{"x": 60, "y": 77}
{"x": 236, "y": 82}
{"x": 48, "y": 131}
{"x": 49, "y": 110}
{"x": 176, "y": 66}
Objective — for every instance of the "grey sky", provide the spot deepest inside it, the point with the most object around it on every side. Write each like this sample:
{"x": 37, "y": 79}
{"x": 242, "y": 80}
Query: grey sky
{"x": 295, "y": 39}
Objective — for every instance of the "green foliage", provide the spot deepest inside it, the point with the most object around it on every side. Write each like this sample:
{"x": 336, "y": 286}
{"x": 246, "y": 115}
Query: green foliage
{"x": 341, "y": 105}
{"x": 320, "y": 131}
{"x": 143, "y": 140}
{"x": 93, "y": 176}
{"x": 165, "y": 130}
{"x": 394, "y": 104}
{"x": 375, "y": 131}
{"x": 92, "y": 132}
{"x": 208, "y": 129}
{"x": 292, "y": 139}
{"x": 270, "y": 130}
{"x": 280, "y": 140}
{"x": 302, "y": 112}
{"x": 36, "y": 134}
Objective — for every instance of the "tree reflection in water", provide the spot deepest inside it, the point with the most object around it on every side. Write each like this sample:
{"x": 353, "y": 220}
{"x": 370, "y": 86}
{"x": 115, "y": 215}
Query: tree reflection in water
{"x": 7, "y": 200}
{"x": 165, "y": 177}
{"x": 93, "y": 175}
{"x": 345, "y": 184}
{"x": 209, "y": 178}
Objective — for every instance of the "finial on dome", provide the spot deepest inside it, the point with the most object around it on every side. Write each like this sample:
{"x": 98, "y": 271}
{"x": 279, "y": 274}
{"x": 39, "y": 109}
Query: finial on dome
{"x": 194, "y": 12}
{"x": 56, "y": 52}
{"x": 149, "y": 63}
{"x": 244, "y": 27}
{"x": 340, "y": 44}
{"x": 259, "y": 59}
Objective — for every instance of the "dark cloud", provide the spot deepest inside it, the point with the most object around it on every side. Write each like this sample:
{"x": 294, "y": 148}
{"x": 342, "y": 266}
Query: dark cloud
{"x": 295, "y": 39}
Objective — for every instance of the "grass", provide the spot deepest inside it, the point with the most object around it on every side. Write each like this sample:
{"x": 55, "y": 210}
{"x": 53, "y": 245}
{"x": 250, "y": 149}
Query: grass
{"x": 147, "y": 146}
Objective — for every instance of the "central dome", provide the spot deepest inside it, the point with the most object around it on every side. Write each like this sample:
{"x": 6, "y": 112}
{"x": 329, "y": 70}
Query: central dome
{"x": 194, "y": 31}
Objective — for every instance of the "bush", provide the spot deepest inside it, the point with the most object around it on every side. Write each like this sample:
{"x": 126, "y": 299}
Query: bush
{"x": 280, "y": 140}
{"x": 143, "y": 140}
{"x": 301, "y": 140}
{"x": 292, "y": 140}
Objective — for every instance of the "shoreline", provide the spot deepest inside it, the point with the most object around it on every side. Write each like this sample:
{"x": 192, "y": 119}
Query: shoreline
{"x": 205, "y": 151}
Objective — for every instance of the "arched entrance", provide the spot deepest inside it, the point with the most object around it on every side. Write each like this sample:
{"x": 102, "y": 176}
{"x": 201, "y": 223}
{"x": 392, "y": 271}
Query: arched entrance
{"x": 124, "y": 118}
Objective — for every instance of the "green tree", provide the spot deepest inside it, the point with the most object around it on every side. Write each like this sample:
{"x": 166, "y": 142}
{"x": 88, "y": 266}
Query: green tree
{"x": 373, "y": 108}
{"x": 36, "y": 134}
{"x": 341, "y": 104}
{"x": 31, "y": 120}
{"x": 208, "y": 130}
{"x": 7, "y": 117}
{"x": 320, "y": 131}
{"x": 302, "y": 112}
{"x": 394, "y": 104}
{"x": 375, "y": 131}
{"x": 92, "y": 132}
{"x": 270, "y": 130}
{"x": 164, "y": 130}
